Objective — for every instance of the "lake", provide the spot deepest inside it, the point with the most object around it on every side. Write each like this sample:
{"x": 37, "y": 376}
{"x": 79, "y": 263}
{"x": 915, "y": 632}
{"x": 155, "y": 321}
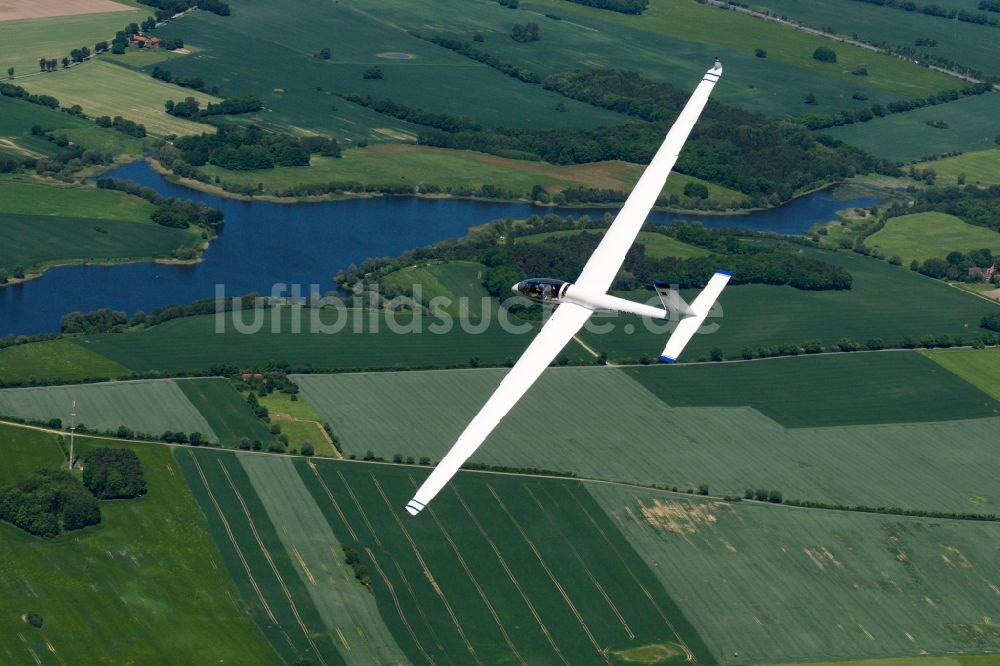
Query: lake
{"x": 265, "y": 243}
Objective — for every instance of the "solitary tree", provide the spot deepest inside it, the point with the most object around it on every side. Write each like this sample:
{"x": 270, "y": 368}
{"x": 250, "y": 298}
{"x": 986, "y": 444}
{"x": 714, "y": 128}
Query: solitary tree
{"x": 43, "y": 65}
{"x": 10, "y": 72}
{"x": 824, "y": 54}
{"x": 324, "y": 53}
{"x": 65, "y": 62}
{"x": 811, "y": 99}
{"x": 307, "y": 449}
{"x": 760, "y": 53}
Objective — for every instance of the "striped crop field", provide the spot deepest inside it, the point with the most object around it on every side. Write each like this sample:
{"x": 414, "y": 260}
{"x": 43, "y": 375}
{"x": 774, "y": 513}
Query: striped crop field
{"x": 228, "y": 415}
{"x": 148, "y": 406}
{"x": 601, "y": 423}
{"x": 766, "y": 583}
{"x": 497, "y": 571}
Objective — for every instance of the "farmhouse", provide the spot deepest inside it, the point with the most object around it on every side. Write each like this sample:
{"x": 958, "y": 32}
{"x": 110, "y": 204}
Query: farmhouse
{"x": 984, "y": 274}
{"x": 145, "y": 41}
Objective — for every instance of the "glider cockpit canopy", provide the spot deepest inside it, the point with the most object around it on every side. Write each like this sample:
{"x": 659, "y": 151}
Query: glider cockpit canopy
{"x": 543, "y": 290}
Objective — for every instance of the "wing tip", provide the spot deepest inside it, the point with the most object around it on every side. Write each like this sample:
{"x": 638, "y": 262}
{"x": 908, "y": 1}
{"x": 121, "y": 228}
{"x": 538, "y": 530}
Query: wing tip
{"x": 414, "y": 506}
{"x": 722, "y": 271}
{"x": 667, "y": 359}
{"x": 660, "y": 284}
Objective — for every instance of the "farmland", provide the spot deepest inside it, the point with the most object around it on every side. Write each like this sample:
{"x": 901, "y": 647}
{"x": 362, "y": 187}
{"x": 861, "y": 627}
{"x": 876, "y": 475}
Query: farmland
{"x": 55, "y": 359}
{"x": 446, "y": 282}
{"x": 816, "y": 391}
{"x": 105, "y": 89}
{"x": 224, "y": 409}
{"x": 968, "y": 44}
{"x": 193, "y": 343}
{"x": 751, "y": 577}
{"x": 424, "y": 165}
{"x": 979, "y": 367}
{"x": 878, "y": 305}
{"x": 24, "y": 41}
{"x": 17, "y": 117}
{"x": 924, "y": 235}
{"x": 657, "y": 245}
{"x": 979, "y": 167}
{"x": 444, "y": 585}
{"x": 25, "y": 451}
{"x": 906, "y": 137}
{"x": 728, "y": 447}
{"x": 146, "y": 580}
{"x": 147, "y": 406}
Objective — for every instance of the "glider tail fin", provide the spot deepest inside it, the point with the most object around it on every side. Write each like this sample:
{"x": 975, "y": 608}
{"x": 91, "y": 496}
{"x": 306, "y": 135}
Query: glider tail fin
{"x": 692, "y": 320}
{"x": 671, "y": 299}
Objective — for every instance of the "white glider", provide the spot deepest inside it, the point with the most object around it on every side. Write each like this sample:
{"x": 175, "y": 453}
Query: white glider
{"x": 576, "y": 302}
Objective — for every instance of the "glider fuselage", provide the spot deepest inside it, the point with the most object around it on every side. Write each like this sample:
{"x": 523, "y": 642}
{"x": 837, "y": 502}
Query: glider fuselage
{"x": 554, "y": 292}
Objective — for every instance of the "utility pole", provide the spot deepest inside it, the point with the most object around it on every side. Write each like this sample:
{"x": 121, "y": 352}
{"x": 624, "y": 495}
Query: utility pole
{"x": 72, "y": 433}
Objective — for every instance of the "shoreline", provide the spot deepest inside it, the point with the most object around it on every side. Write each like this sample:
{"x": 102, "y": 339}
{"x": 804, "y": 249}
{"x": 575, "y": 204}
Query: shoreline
{"x": 216, "y": 190}
{"x": 106, "y": 262}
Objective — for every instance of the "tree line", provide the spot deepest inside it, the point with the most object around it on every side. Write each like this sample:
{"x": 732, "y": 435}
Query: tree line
{"x": 248, "y": 148}
{"x": 170, "y": 211}
{"x": 620, "y": 6}
{"x": 940, "y": 11}
{"x": 464, "y": 48}
{"x": 191, "y": 108}
{"x": 167, "y": 9}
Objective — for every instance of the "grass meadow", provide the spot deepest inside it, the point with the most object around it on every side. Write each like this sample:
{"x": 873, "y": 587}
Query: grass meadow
{"x": 657, "y": 245}
{"x": 424, "y": 165}
{"x": 55, "y": 358}
{"x": 53, "y": 199}
{"x": 149, "y": 406}
{"x": 192, "y": 343}
{"x": 980, "y": 167}
{"x": 25, "y": 451}
{"x": 299, "y": 421}
{"x": 145, "y": 581}
{"x": 24, "y": 41}
{"x": 17, "y": 117}
{"x": 768, "y": 583}
{"x": 563, "y": 424}
{"x": 882, "y": 303}
{"x": 480, "y": 574}
{"x": 105, "y": 89}
{"x": 931, "y": 234}
{"x": 906, "y": 137}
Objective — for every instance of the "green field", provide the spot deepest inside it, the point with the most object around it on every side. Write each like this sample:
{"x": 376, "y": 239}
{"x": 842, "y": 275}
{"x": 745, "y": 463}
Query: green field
{"x": 657, "y": 245}
{"x": 282, "y": 70}
{"x": 880, "y": 304}
{"x": 228, "y": 415}
{"x": 105, "y": 89}
{"x": 905, "y": 137}
{"x": 80, "y": 224}
{"x": 148, "y": 406}
{"x": 728, "y": 447}
{"x": 907, "y": 661}
{"x": 495, "y": 569}
{"x": 924, "y": 235}
{"x": 676, "y": 41}
{"x": 17, "y": 117}
{"x": 425, "y": 165}
{"x": 447, "y": 282}
{"x": 764, "y": 583}
{"x": 969, "y": 44}
{"x": 192, "y": 343}
{"x": 981, "y": 167}
{"x": 25, "y": 451}
{"x": 24, "y": 41}
{"x": 979, "y": 367}
{"x": 55, "y": 359}
{"x": 816, "y": 391}
{"x": 299, "y": 421}
{"x": 143, "y": 584}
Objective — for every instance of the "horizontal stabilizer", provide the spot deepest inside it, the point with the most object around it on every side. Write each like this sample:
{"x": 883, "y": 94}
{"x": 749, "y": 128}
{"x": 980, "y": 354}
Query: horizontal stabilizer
{"x": 690, "y": 324}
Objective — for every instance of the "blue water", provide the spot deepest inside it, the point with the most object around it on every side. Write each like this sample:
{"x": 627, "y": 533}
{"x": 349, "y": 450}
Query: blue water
{"x": 265, "y": 243}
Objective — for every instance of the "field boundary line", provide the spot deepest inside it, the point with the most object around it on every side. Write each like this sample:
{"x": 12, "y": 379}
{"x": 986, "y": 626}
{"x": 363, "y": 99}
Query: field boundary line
{"x": 579, "y": 558}
{"x": 364, "y": 516}
{"x": 395, "y": 601}
{"x": 510, "y": 574}
{"x": 551, "y": 574}
{"x": 333, "y": 500}
{"x": 274, "y": 568}
{"x": 472, "y": 579}
{"x": 689, "y": 654}
{"x": 427, "y": 571}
